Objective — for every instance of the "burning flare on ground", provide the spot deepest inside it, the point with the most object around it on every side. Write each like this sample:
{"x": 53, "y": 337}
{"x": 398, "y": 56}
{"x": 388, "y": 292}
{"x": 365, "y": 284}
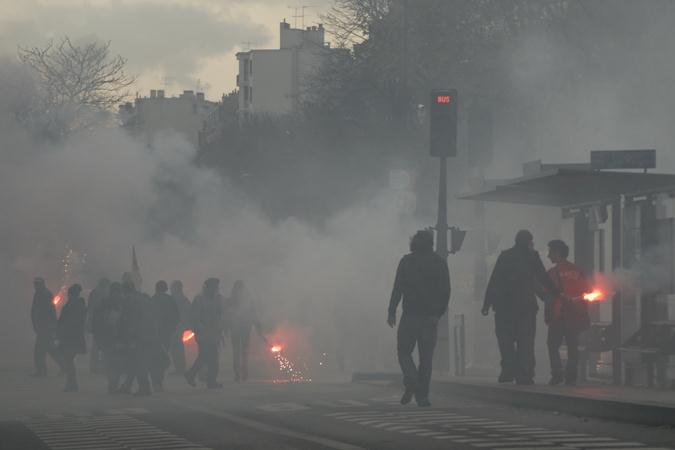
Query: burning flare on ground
{"x": 188, "y": 335}
{"x": 287, "y": 367}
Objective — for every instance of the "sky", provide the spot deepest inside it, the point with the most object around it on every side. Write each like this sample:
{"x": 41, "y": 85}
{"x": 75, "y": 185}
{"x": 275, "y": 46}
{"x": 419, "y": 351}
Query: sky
{"x": 170, "y": 44}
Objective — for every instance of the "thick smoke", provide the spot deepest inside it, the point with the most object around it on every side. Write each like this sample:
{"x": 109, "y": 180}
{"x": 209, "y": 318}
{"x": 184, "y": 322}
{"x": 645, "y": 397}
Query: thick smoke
{"x": 102, "y": 192}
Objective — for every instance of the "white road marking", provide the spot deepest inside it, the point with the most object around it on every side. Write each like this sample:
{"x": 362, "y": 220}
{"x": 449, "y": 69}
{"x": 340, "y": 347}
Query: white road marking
{"x": 266, "y": 428}
{"x": 282, "y": 407}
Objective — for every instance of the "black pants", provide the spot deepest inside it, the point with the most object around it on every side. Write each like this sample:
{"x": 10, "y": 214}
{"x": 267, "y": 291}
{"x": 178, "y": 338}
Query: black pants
{"x": 159, "y": 362}
{"x": 241, "y": 336}
{"x": 420, "y": 331}
{"x": 95, "y": 357}
{"x": 556, "y": 332}
{"x": 208, "y": 356}
{"x": 515, "y": 335}
{"x": 178, "y": 352}
{"x": 69, "y": 367}
{"x": 44, "y": 344}
{"x": 138, "y": 368}
{"x": 114, "y": 366}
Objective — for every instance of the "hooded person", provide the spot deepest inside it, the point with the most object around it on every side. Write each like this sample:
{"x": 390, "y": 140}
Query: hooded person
{"x": 208, "y": 323}
{"x": 70, "y": 334}
{"x": 423, "y": 285}
{"x": 511, "y": 293}
{"x": 43, "y": 317}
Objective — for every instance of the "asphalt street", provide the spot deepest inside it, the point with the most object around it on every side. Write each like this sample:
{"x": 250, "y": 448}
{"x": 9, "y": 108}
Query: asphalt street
{"x": 35, "y": 414}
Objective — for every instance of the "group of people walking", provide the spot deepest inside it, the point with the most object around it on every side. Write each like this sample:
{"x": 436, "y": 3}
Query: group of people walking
{"x": 135, "y": 337}
{"x": 422, "y": 283}
{"x": 517, "y": 279}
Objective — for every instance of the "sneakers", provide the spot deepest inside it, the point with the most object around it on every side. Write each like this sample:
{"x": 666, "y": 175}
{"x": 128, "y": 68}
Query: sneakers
{"x": 407, "y": 396}
{"x": 555, "y": 380}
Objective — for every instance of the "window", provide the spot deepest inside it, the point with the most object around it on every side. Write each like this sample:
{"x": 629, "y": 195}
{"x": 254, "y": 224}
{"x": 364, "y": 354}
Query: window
{"x": 250, "y": 67}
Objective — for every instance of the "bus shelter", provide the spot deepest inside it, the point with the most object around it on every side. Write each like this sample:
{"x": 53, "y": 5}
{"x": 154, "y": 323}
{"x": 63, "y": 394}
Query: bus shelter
{"x": 623, "y": 226}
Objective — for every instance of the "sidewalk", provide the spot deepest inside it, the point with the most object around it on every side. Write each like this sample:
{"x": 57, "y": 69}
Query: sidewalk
{"x": 621, "y": 403}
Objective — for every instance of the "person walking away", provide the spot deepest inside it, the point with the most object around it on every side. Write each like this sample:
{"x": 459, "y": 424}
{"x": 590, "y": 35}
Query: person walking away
{"x": 166, "y": 316}
{"x": 207, "y": 318}
{"x": 70, "y": 334}
{"x": 511, "y": 294}
{"x": 43, "y": 317}
{"x": 96, "y": 296}
{"x": 178, "y": 346}
{"x": 423, "y": 282}
{"x": 566, "y": 315}
{"x": 138, "y": 327}
{"x": 242, "y": 315}
{"x": 106, "y": 329}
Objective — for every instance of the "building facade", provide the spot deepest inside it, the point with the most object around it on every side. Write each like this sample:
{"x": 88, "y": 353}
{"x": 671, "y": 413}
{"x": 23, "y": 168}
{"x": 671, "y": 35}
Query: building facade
{"x": 272, "y": 81}
{"x": 184, "y": 114}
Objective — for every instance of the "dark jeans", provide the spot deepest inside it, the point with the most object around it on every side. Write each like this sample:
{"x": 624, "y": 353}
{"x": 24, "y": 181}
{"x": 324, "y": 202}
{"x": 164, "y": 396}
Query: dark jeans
{"x": 178, "y": 352}
{"x": 241, "y": 336}
{"x": 69, "y": 367}
{"x": 208, "y": 356}
{"x": 44, "y": 344}
{"x": 515, "y": 335}
{"x": 556, "y": 332}
{"x": 420, "y": 331}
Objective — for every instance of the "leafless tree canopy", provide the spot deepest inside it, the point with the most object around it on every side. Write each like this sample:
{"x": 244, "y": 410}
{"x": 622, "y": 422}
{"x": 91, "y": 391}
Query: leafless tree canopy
{"x": 78, "y": 81}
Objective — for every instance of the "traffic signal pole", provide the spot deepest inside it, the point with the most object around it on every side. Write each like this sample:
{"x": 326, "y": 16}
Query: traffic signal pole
{"x": 442, "y": 222}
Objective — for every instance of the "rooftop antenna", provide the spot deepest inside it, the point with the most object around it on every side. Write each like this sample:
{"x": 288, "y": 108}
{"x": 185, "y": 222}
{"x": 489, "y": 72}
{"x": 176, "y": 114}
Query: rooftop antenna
{"x": 300, "y": 16}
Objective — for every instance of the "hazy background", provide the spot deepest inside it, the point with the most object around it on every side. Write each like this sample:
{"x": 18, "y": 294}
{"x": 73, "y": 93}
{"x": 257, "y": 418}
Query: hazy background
{"x": 600, "y": 79}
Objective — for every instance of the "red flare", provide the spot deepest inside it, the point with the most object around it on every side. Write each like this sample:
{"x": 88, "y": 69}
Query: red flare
{"x": 275, "y": 348}
{"x": 596, "y": 295}
{"x": 57, "y": 299}
{"x": 188, "y": 335}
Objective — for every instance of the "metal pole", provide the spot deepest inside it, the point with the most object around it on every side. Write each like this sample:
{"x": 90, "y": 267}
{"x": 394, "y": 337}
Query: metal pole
{"x": 442, "y": 356}
{"x": 442, "y": 222}
{"x": 617, "y": 263}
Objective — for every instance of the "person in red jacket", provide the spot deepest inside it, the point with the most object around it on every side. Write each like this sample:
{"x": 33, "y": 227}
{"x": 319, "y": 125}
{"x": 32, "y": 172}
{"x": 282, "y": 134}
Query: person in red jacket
{"x": 566, "y": 315}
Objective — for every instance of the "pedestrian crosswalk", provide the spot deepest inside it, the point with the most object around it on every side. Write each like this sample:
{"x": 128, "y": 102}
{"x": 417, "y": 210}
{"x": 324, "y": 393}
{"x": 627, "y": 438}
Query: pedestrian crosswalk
{"x": 65, "y": 414}
{"x": 107, "y": 432}
{"x": 482, "y": 433}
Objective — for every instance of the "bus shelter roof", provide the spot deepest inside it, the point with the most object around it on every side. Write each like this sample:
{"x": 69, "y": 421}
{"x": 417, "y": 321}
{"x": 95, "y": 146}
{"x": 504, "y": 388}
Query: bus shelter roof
{"x": 561, "y": 187}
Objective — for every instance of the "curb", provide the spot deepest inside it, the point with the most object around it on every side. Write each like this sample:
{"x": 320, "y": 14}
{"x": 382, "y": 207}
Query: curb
{"x": 637, "y": 413}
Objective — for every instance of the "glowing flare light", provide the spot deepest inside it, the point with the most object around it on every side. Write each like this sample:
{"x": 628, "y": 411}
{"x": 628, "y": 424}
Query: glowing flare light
{"x": 286, "y": 366}
{"x": 596, "y": 295}
{"x": 188, "y": 335}
{"x": 57, "y": 299}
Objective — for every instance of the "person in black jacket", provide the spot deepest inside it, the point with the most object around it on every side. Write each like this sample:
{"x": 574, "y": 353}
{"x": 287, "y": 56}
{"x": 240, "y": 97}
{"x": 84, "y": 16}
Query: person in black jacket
{"x": 511, "y": 294}
{"x": 43, "y": 316}
{"x": 423, "y": 281}
{"x": 106, "y": 328}
{"x": 167, "y": 317}
{"x": 139, "y": 336}
{"x": 70, "y": 334}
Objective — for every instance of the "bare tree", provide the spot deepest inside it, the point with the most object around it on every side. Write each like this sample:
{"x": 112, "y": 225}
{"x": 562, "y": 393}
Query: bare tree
{"x": 80, "y": 83}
